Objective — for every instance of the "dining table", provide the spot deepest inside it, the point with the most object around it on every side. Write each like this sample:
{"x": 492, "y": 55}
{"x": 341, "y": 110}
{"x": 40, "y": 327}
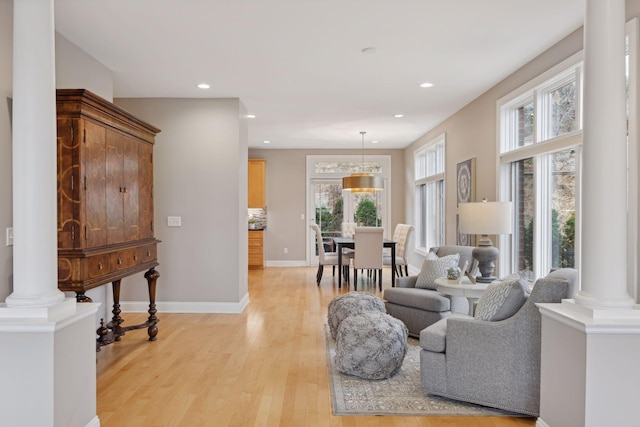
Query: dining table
{"x": 349, "y": 242}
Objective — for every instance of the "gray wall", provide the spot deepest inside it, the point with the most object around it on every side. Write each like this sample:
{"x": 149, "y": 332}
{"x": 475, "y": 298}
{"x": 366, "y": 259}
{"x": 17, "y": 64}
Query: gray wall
{"x": 75, "y": 69}
{"x": 286, "y": 198}
{"x": 200, "y": 174}
{"x": 471, "y": 132}
{"x": 6, "y": 216}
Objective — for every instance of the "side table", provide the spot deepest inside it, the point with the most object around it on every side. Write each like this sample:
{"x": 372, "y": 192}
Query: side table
{"x": 471, "y": 291}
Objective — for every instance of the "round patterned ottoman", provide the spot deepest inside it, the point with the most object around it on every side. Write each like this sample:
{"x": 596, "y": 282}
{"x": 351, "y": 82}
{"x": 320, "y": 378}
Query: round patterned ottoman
{"x": 371, "y": 345}
{"x": 349, "y": 304}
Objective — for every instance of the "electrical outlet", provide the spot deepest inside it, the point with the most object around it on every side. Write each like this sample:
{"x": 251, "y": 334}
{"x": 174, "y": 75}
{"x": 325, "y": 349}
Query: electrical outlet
{"x": 286, "y": 251}
{"x": 9, "y": 236}
{"x": 302, "y": 216}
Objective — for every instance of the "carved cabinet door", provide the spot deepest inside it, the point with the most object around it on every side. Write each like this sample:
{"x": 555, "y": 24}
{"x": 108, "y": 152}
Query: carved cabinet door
{"x": 145, "y": 196}
{"x": 93, "y": 185}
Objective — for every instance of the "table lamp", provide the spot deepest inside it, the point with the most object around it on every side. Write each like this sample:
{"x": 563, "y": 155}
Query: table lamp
{"x": 486, "y": 218}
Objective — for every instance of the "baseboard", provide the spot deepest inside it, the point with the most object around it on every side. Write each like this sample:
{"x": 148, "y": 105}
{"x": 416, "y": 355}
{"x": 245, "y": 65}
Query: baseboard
{"x": 187, "y": 307}
{"x": 541, "y": 423}
{"x": 95, "y": 422}
{"x": 294, "y": 263}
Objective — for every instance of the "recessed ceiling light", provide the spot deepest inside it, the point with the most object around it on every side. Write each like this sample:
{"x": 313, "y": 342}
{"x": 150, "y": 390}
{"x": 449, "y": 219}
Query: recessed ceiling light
{"x": 397, "y": 116}
{"x": 374, "y": 142}
{"x": 266, "y": 142}
{"x": 204, "y": 85}
{"x": 426, "y": 85}
{"x": 251, "y": 116}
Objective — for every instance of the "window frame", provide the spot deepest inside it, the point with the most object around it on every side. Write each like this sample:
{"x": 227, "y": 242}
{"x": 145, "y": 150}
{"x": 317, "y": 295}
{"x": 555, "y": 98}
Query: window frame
{"x": 537, "y": 90}
{"x": 430, "y": 168}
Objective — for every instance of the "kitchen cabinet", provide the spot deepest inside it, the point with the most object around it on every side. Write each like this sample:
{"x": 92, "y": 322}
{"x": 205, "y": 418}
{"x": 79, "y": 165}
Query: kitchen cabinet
{"x": 257, "y": 183}
{"x": 256, "y": 249}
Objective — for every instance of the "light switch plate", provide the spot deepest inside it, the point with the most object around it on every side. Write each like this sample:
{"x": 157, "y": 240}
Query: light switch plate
{"x": 174, "y": 221}
{"x": 9, "y": 236}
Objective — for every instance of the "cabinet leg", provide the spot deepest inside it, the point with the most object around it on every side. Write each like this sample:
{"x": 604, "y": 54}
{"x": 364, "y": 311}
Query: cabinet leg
{"x": 152, "y": 276}
{"x": 116, "y": 321}
{"x": 81, "y": 297}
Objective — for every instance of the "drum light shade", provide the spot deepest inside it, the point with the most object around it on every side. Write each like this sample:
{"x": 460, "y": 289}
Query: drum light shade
{"x": 362, "y": 182}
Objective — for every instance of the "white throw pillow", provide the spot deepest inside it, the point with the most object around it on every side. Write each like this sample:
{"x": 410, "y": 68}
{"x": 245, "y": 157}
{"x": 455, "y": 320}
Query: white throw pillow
{"x": 502, "y": 299}
{"x": 434, "y": 268}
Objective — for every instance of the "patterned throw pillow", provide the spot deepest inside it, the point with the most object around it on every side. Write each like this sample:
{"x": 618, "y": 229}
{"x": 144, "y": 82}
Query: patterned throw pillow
{"x": 434, "y": 268}
{"x": 502, "y": 299}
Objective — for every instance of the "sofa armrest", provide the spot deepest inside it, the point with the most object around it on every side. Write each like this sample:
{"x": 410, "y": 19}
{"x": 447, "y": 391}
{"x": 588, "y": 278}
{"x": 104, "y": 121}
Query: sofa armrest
{"x": 406, "y": 282}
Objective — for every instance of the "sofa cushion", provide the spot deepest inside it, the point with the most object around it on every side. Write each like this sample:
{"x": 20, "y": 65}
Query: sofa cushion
{"x": 434, "y": 337}
{"x": 433, "y": 268}
{"x": 502, "y": 299}
{"x": 423, "y": 299}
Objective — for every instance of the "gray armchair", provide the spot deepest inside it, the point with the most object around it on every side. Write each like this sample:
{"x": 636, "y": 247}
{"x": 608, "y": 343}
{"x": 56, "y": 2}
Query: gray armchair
{"x": 419, "y": 308}
{"x": 493, "y": 363}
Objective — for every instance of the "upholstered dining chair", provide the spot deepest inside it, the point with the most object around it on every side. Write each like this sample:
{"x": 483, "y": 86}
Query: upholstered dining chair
{"x": 368, "y": 255}
{"x": 348, "y": 230}
{"x": 401, "y": 237}
{"x": 324, "y": 258}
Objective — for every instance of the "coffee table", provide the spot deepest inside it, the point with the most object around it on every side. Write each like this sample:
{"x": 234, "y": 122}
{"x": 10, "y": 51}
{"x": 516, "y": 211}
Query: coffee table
{"x": 471, "y": 291}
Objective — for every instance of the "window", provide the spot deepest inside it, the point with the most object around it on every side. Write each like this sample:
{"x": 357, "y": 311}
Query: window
{"x": 540, "y": 142}
{"x": 429, "y": 181}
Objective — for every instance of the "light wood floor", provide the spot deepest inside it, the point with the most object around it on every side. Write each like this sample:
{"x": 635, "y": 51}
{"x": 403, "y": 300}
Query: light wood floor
{"x": 264, "y": 367}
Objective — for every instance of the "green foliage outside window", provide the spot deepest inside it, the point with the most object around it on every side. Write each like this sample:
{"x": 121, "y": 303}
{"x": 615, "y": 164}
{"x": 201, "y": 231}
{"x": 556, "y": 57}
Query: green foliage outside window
{"x": 366, "y": 215}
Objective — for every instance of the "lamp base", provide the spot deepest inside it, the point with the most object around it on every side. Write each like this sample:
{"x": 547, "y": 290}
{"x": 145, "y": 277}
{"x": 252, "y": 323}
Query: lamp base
{"x": 485, "y": 253}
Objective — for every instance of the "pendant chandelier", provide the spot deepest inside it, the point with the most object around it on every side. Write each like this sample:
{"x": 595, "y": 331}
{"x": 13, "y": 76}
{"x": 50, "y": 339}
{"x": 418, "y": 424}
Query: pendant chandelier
{"x": 362, "y": 182}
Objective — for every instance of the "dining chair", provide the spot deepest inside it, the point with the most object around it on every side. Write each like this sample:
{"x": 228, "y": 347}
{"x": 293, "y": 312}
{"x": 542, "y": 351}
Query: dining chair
{"x": 348, "y": 231}
{"x": 324, "y": 258}
{"x": 401, "y": 237}
{"x": 368, "y": 255}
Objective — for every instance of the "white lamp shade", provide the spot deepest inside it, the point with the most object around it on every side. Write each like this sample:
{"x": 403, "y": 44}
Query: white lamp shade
{"x": 486, "y": 218}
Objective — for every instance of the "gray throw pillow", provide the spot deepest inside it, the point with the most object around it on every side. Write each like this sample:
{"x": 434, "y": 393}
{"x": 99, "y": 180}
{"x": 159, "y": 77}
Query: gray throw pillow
{"x": 434, "y": 268}
{"x": 502, "y": 299}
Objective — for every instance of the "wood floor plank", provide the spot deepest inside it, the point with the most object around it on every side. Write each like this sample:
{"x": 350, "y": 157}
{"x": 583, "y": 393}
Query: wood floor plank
{"x": 264, "y": 367}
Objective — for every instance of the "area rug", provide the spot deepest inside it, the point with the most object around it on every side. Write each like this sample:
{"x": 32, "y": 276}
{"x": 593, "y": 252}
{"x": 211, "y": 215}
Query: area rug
{"x": 401, "y": 394}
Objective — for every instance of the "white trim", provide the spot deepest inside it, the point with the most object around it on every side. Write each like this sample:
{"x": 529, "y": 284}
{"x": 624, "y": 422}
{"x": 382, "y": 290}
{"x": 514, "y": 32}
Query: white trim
{"x": 287, "y": 263}
{"x": 538, "y": 81}
{"x": 633, "y": 254}
{"x": 540, "y": 423}
{"x": 187, "y": 307}
{"x": 562, "y": 142}
{"x": 420, "y": 162}
{"x": 95, "y": 422}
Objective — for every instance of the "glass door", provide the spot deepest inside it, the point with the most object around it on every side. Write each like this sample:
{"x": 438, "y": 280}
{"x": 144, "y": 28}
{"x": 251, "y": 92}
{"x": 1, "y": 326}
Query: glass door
{"x": 332, "y": 206}
{"x": 328, "y": 205}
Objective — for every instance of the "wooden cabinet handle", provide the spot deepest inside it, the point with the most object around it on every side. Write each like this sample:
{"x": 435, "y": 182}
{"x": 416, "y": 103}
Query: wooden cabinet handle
{"x": 135, "y": 257}
{"x": 148, "y": 253}
{"x": 119, "y": 260}
{"x": 99, "y": 266}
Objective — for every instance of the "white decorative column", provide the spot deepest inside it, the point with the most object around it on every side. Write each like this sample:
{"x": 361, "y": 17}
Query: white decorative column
{"x": 35, "y": 262}
{"x": 604, "y": 181}
{"x": 589, "y": 373}
{"x": 47, "y": 342}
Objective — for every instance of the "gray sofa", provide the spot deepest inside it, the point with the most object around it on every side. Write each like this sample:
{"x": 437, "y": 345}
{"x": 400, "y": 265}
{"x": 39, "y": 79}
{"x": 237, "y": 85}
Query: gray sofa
{"x": 419, "y": 308}
{"x": 493, "y": 363}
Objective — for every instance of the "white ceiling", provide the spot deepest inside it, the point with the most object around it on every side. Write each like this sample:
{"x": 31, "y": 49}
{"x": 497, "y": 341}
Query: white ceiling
{"x": 298, "y": 64}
